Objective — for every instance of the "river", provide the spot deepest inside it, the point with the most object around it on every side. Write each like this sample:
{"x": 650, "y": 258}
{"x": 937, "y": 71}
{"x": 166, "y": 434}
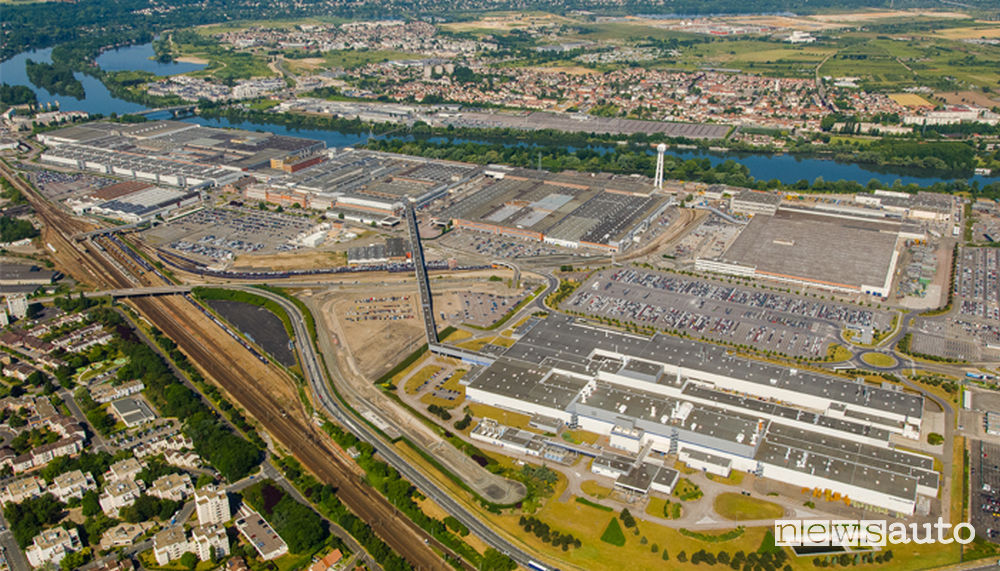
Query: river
{"x": 786, "y": 168}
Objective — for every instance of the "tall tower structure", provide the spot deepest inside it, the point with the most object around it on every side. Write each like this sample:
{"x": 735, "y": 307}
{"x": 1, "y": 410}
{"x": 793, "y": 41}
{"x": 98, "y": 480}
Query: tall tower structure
{"x": 658, "y": 179}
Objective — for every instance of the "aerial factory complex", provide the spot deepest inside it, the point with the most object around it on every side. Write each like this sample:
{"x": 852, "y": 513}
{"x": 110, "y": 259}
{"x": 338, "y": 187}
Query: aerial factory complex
{"x": 446, "y": 288}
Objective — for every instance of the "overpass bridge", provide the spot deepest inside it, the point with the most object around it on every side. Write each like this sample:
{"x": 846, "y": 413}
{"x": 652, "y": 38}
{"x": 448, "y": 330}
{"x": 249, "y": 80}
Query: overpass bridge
{"x": 110, "y": 230}
{"x": 512, "y": 267}
{"x": 174, "y": 110}
{"x": 423, "y": 282}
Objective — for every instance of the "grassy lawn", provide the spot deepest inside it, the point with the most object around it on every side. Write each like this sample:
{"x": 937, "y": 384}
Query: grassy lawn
{"x": 837, "y": 352}
{"x": 592, "y": 488}
{"x": 429, "y": 399}
{"x": 687, "y": 490}
{"x": 262, "y": 104}
{"x": 655, "y": 506}
{"x": 958, "y": 474}
{"x": 659, "y": 507}
{"x": 879, "y": 359}
{"x": 228, "y": 65}
{"x": 740, "y": 508}
{"x": 477, "y": 344}
{"x": 419, "y": 378}
{"x": 735, "y": 478}
{"x": 613, "y": 533}
{"x": 457, "y": 336}
{"x": 411, "y": 367}
{"x": 500, "y": 415}
{"x": 684, "y": 468}
{"x": 588, "y": 523}
{"x": 580, "y": 436}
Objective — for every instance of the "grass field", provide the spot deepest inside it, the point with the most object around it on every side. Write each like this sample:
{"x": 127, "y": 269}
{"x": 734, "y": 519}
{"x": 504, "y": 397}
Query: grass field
{"x": 457, "y": 336}
{"x": 588, "y": 523}
{"x": 910, "y": 100}
{"x": 878, "y": 359}
{"x": 735, "y": 478}
{"x": 349, "y": 59}
{"x": 580, "y": 436}
{"x": 659, "y": 507}
{"x": 758, "y": 56}
{"x": 742, "y": 508}
{"x": 837, "y": 352}
{"x": 225, "y": 64}
{"x": 687, "y": 491}
{"x": 971, "y": 32}
{"x": 592, "y": 488}
{"x": 411, "y": 367}
{"x": 613, "y": 533}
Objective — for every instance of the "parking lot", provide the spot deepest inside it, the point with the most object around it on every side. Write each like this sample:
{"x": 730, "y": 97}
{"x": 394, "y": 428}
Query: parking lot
{"x": 220, "y": 234}
{"x": 58, "y": 186}
{"x": 386, "y": 308}
{"x": 767, "y": 320}
{"x": 984, "y": 500}
{"x": 484, "y": 309}
{"x": 499, "y": 247}
{"x": 978, "y": 283}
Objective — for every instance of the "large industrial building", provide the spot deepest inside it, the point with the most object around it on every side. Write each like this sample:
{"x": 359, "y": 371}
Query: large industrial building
{"x": 847, "y": 254}
{"x": 370, "y": 182}
{"x": 663, "y": 395}
{"x": 145, "y": 204}
{"x": 574, "y": 210}
{"x": 170, "y": 153}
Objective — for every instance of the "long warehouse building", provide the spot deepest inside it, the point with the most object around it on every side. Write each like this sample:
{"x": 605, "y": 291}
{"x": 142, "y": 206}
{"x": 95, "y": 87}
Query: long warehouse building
{"x": 712, "y": 409}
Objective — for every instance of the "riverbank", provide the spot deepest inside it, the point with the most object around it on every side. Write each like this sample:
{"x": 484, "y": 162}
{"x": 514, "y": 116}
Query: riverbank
{"x": 794, "y": 169}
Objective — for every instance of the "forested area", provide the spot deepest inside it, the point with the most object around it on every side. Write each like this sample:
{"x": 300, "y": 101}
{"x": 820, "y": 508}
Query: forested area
{"x": 56, "y": 78}
{"x": 13, "y": 229}
{"x": 16, "y": 95}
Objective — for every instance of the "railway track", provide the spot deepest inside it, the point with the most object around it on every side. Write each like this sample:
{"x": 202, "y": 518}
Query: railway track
{"x": 105, "y": 266}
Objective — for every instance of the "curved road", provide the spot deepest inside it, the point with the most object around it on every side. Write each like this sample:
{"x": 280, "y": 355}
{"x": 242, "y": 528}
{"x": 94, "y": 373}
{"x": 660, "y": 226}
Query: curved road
{"x": 318, "y": 381}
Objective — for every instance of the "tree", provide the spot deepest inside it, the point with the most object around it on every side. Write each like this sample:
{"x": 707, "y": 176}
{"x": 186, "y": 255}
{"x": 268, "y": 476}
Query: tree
{"x": 90, "y": 504}
{"x": 189, "y": 560}
{"x": 75, "y": 559}
{"x": 204, "y": 480}
{"x": 28, "y": 518}
{"x": 627, "y": 518}
{"x": 493, "y": 560}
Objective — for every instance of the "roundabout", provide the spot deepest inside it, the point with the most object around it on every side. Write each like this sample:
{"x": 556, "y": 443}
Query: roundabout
{"x": 880, "y": 361}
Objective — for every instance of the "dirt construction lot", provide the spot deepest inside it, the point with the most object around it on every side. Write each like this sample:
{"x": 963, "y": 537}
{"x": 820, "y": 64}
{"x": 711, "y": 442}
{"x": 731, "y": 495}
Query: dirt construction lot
{"x": 378, "y": 344}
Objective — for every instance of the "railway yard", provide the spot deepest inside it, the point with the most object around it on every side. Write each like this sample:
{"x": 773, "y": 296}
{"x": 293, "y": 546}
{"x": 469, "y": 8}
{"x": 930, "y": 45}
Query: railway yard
{"x": 265, "y": 393}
